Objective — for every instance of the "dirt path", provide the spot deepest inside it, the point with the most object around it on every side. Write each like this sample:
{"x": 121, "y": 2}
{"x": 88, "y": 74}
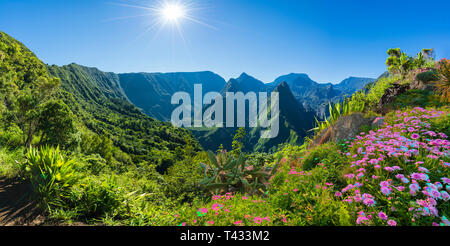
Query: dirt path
{"x": 16, "y": 207}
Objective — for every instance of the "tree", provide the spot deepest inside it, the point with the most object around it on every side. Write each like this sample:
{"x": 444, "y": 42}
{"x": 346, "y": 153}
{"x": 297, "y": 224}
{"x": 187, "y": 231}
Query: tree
{"x": 428, "y": 54}
{"x": 56, "y": 124}
{"x": 398, "y": 61}
{"x": 183, "y": 177}
{"x": 29, "y": 101}
{"x": 25, "y": 85}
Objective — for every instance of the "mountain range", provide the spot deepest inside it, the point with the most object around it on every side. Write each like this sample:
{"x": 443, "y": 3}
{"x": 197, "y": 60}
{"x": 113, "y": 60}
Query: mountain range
{"x": 102, "y": 106}
{"x": 294, "y": 123}
{"x": 83, "y": 110}
{"x": 152, "y": 92}
{"x": 301, "y": 98}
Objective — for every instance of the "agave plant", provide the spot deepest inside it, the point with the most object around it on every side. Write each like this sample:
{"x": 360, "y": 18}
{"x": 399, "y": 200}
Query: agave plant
{"x": 51, "y": 173}
{"x": 443, "y": 82}
{"x": 356, "y": 106}
{"x": 320, "y": 126}
{"x": 229, "y": 174}
{"x": 337, "y": 110}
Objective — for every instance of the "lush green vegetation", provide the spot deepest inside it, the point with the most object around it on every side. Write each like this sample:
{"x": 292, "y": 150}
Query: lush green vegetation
{"x": 92, "y": 157}
{"x": 403, "y": 70}
{"x": 88, "y": 152}
{"x": 338, "y": 110}
{"x": 122, "y": 134}
{"x": 229, "y": 173}
{"x": 291, "y": 130}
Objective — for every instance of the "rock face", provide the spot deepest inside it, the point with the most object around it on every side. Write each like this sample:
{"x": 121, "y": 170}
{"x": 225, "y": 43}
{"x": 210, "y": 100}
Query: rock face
{"x": 391, "y": 93}
{"x": 398, "y": 89}
{"x": 420, "y": 85}
{"x": 378, "y": 122}
{"x": 346, "y": 128}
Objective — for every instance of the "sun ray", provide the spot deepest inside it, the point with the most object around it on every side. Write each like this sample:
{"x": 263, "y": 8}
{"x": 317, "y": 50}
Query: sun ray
{"x": 126, "y": 17}
{"x": 150, "y": 28}
{"x": 200, "y": 22}
{"x": 181, "y": 33}
{"x": 135, "y": 6}
{"x": 166, "y": 14}
{"x": 172, "y": 10}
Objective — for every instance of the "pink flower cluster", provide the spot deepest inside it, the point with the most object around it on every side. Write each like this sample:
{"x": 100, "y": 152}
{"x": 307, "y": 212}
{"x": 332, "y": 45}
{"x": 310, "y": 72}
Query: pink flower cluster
{"x": 400, "y": 160}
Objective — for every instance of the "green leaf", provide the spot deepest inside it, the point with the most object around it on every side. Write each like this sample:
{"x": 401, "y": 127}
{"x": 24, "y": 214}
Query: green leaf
{"x": 213, "y": 159}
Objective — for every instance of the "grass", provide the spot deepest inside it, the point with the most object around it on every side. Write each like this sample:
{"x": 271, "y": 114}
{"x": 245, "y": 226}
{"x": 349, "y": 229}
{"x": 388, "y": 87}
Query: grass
{"x": 11, "y": 162}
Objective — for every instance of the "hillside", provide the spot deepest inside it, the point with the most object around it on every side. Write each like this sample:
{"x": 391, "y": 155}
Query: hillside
{"x": 352, "y": 84}
{"x": 245, "y": 83}
{"x": 301, "y": 100}
{"x": 380, "y": 159}
{"x": 85, "y": 113}
{"x": 91, "y": 83}
{"x": 103, "y": 107}
{"x": 295, "y": 122}
{"x": 314, "y": 96}
{"x": 71, "y": 141}
{"x": 152, "y": 92}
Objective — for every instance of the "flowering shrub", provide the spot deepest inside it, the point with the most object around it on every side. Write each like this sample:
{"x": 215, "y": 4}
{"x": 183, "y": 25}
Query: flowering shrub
{"x": 399, "y": 173}
{"x": 308, "y": 196}
{"x": 395, "y": 176}
{"x": 230, "y": 210}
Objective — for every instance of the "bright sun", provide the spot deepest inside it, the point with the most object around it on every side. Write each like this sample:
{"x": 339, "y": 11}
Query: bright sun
{"x": 168, "y": 13}
{"x": 173, "y": 12}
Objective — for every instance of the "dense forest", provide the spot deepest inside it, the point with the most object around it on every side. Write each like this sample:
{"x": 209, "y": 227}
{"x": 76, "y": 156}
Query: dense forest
{"x": 90, "y": 156}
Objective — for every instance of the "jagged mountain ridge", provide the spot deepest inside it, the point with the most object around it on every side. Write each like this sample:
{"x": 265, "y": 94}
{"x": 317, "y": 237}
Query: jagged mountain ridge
{"x": 294, "y": 122}
{"x": 152, "y": 92}
{"x": 98, "y": 100}
{"x": 93, "y": 107}
{"x": 301, "y": 98}
{"x": 314, "y": 96}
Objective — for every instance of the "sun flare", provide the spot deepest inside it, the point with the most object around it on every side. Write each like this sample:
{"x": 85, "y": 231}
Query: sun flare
{"x": 173, "y": 12}
{"x": 168, "y": 14}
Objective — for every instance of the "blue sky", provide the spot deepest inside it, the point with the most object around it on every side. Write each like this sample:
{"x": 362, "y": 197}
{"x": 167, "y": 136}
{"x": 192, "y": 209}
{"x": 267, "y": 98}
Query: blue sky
{"x": 329, "y": 40}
